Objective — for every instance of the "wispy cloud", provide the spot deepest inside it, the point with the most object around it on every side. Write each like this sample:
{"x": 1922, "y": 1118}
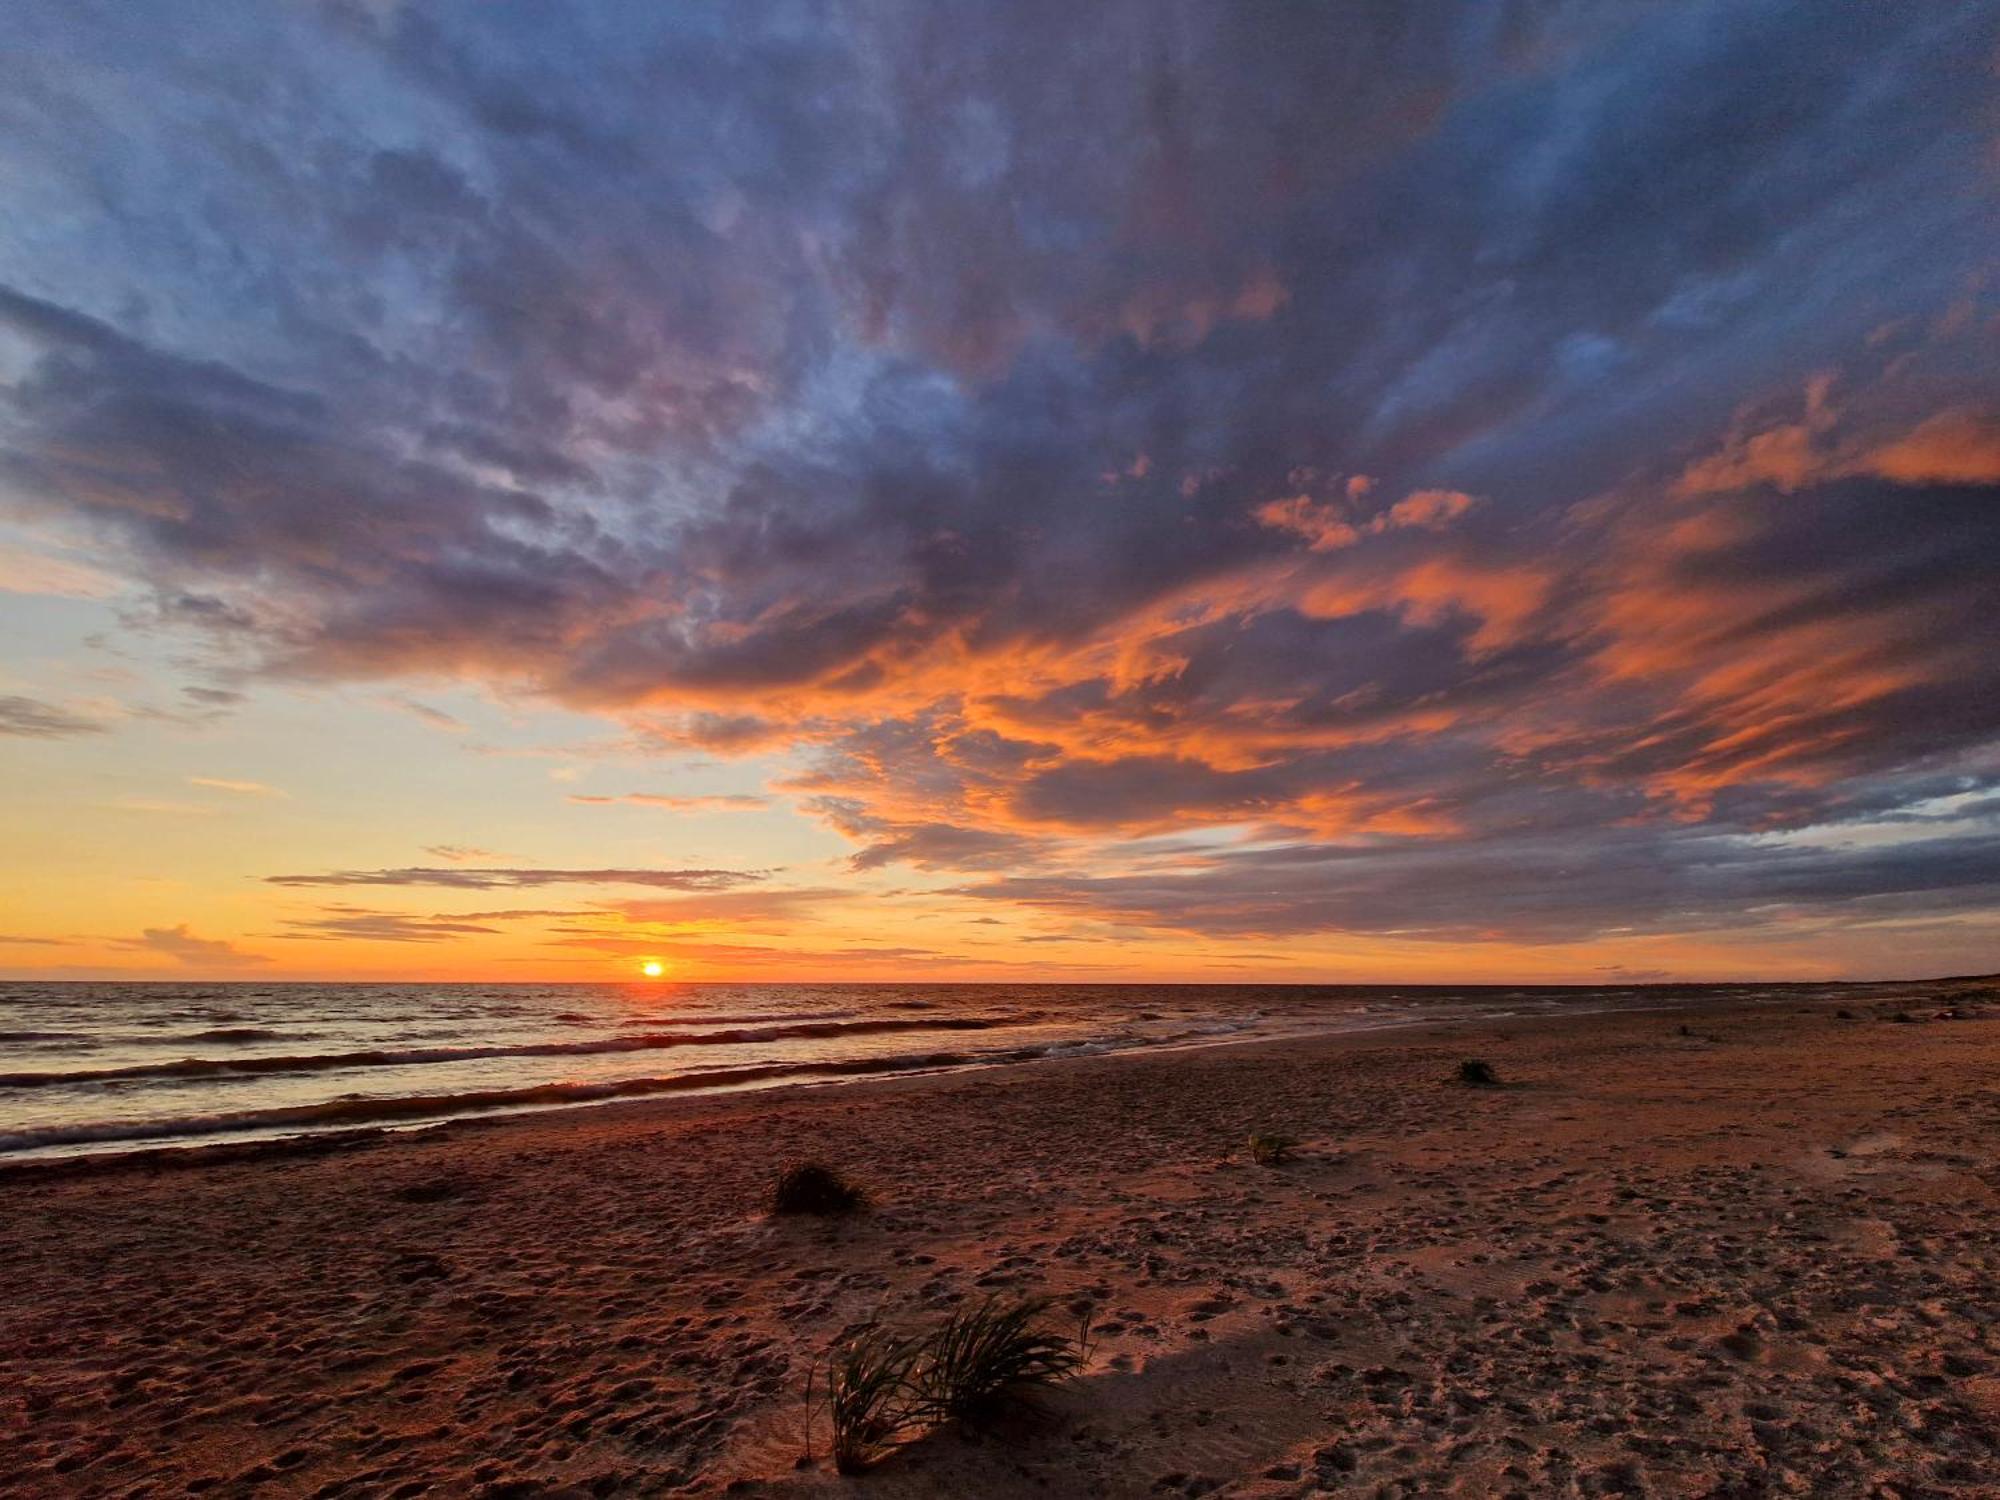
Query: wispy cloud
{"x": 26, "y": 572}
{"x": 197, "y": 952}
{"x": 429, "y": 713}
{"x": 241, "y": 788}
{"x": 355, "y": 923}
{"x": 709, "y": 803}
{"x": 32, "y": 718}
{"x": 163, "y": 807}
{"x": 462, "y": 854}
{"x": 487, "y": 879}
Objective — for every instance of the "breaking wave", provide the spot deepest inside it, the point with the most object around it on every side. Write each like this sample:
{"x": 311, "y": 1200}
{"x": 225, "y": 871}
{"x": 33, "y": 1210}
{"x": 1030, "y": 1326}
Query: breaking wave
{"x": 389, "y": 1057}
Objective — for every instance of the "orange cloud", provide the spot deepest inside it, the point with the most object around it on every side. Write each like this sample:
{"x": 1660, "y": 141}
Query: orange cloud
{"x": 1320, "y": 527}
{"x": 1323, "y": 528}
{"x": 1961, "y": 446}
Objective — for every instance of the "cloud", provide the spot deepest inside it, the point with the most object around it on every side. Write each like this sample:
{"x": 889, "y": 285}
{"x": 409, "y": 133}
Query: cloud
{"x": 1957, "y": 446}
{"x": 241, "y": 788}
{"x": 213, "y": 698}
{"x": 436, "y": 717}
{"x": 365, "y": 924}
{"x": 162, "y": 806}
{"x": 26, "y": 572}
{"x": 708, "y": 803}
{"x": 1548, "y": 889}
{"x": 460, "y": 854}
{"x": 32, "y": 718}
{"x": 1953, "y": 447}
{"x": 1325, "y": 525}
{"x": 782, "y": 908}
{"x": 197, "y": 952}
{"x": 491, "y": 879}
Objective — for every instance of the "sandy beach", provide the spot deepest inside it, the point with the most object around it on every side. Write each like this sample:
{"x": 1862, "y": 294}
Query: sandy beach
{"x": 1757, "y": 1257}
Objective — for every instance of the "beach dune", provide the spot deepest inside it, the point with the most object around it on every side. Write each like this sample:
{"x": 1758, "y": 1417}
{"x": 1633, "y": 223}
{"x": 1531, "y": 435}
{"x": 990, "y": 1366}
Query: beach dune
{"x": 1741, "y": 1251}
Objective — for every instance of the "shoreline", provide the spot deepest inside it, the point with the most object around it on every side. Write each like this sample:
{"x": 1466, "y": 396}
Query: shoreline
{"x": 205, "y": 1147}
{"x": 1765, "y": 1243}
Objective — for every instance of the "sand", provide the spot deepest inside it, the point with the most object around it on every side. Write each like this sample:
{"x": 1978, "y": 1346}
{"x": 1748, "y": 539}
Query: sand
{"x": 1758, "y": 1259}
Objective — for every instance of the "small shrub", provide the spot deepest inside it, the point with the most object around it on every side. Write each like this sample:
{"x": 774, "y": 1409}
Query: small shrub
{"x": 986, "y": 1357}
{"x": 1476, "y": 1074}
{"x": 807, "y": 1187}
{"x": 1271, "y": 1150}
{"x": 1843, "y": 1015}
{"x": 868, "y": 1398}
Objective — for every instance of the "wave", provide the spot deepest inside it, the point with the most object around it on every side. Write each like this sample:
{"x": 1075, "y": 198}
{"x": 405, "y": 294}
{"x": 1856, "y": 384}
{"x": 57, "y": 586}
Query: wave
{"x": 383, "y": 1057}
{"x": 390, "y": 1109}
{"x": 747, "y": 1020}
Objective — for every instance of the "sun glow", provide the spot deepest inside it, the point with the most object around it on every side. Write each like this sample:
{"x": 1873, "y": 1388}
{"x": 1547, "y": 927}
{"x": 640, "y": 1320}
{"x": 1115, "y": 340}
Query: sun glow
{"x": 652, "y": 968}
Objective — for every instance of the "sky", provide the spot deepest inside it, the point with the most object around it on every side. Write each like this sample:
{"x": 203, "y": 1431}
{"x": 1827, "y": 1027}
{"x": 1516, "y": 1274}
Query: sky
{"x": 1363, "y": 492}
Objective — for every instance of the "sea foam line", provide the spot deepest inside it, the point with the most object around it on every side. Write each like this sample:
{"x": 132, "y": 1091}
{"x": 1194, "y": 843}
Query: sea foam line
{"x": 386, "y": 1057}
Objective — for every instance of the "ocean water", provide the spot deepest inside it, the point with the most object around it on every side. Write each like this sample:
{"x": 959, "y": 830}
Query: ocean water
{"x": 102, "y": 1067}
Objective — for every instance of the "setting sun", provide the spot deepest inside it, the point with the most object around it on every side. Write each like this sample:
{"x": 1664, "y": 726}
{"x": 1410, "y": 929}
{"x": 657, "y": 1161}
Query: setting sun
{"x": 652, "y": 968}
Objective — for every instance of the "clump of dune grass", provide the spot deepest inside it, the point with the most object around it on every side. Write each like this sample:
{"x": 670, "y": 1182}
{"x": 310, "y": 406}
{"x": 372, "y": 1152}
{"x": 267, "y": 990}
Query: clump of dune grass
{"x": 869, "y": 1399}
{"x": 1476, "y": 1074}
{"x": 810, "y": 1187}
{"x": 985, "y": 1358}
{"x": 1269, "y": 1150}
{"x": 884, "y": 1389}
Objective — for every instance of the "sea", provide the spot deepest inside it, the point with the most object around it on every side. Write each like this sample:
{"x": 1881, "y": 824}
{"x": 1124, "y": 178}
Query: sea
{"x": 88, "y": 1068}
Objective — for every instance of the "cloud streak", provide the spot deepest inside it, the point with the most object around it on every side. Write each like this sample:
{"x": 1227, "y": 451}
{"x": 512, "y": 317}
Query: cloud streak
{"x": 667, "y": 802}
{"x": 477, "y": 878}
{"x": 32, "y": 718}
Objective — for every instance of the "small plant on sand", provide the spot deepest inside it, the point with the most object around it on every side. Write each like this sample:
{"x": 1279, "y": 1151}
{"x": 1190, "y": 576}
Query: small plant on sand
{"x": 868, "y": 1398}
{"x": 1478, "y": 1075}
{"x": 997, "y": 1354}
{"x": 807, "y": 1187}
{"x": 1271, "y": 1150}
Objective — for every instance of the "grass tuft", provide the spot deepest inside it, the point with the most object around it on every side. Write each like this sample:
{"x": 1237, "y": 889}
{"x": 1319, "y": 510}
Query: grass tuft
{"x": 868, "y": 1398}
{"x": 1476, "y": 1074}
{"x": 1271, "y": 1150}
{"x": 985, "y": 1358}
{"x": 808, "y": 1187}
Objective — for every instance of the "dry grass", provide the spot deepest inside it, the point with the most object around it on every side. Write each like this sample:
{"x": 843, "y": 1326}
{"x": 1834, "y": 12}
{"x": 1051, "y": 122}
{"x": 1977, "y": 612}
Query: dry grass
{"x": 869, "y": 1398}
{"x": 1271, "y": 1150}
{"x": 809, "y": 1187}
{"x": 987, "y": 1357}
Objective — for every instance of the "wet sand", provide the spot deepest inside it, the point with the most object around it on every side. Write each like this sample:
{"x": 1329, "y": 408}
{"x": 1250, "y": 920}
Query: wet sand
{"x": 1756, "y": 1259}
